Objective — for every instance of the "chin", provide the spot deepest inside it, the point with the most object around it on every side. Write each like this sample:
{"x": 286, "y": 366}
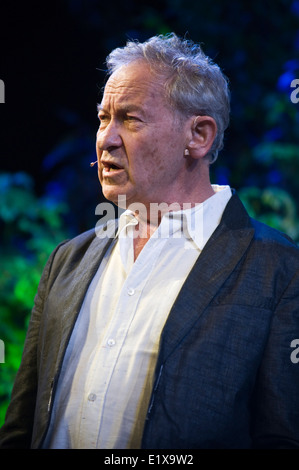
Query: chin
{"x": 114, "y": 195}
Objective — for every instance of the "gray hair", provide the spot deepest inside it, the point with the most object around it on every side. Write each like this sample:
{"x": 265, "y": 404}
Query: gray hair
{"x": 194, "y": 84}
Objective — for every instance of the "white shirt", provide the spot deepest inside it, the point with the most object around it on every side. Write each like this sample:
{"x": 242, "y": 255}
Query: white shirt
{"x": 107, "y": 375}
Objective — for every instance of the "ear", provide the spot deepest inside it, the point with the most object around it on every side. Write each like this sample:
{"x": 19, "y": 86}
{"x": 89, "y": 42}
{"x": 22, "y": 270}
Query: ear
{"x": 204, "y": 129}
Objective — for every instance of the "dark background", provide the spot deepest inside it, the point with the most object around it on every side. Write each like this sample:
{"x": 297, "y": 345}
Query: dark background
{"x": 52, "y": 57}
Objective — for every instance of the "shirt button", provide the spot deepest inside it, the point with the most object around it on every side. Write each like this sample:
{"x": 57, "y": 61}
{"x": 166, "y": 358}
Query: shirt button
{"x": 92, "y": 397}
{"x": 111, "y": 342}
{"x": 131, "y": 291}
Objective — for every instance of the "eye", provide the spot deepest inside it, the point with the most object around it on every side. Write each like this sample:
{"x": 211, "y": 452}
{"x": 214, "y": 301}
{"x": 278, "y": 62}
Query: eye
{"x": 104, "y": 120}
{"x": 132, "y": 118}
{"x": 102, "y": 117}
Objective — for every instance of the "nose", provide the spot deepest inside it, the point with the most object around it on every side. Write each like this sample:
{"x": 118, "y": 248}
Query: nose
{"x": 108, "y": 137}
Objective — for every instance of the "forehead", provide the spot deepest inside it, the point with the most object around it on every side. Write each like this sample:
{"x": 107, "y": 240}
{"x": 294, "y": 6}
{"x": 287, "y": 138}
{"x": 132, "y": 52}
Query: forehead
{"x": 134, "y": 84}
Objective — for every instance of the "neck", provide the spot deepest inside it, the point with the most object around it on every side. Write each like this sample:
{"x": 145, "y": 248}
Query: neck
{"x": 149, "y": 214}
{"x": 150, "y": 218}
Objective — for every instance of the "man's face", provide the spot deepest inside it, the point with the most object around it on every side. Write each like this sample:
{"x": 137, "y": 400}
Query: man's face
{"x": 141, "y": 140}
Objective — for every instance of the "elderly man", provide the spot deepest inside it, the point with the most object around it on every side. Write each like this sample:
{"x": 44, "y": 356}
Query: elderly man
{"x": 174, "y": 328}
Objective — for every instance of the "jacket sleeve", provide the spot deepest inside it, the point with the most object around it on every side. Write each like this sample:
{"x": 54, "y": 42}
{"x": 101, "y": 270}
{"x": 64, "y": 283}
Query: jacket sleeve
{"x": 276, "y": 424}
{"x": 17, "y": 429}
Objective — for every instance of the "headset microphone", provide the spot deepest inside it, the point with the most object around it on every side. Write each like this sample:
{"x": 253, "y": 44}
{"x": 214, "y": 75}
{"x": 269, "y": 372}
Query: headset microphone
{"x": 93, "y": 163}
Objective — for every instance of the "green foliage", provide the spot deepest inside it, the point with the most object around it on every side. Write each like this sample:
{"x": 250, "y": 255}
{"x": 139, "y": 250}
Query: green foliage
{"x": 274, "y": 207}
{"x": 30, "y": 228}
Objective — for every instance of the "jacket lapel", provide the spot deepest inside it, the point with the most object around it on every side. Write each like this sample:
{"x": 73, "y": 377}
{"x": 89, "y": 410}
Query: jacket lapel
{"x": 218, "y": 259}
{"x": 76, "y": 286}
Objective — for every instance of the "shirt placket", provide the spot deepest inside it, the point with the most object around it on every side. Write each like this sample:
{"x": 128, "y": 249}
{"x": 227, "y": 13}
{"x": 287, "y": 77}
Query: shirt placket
{"x": 109, "y": 351}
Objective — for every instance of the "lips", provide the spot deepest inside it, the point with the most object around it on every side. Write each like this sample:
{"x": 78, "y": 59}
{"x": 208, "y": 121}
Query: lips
{"x": 110, "y": 167}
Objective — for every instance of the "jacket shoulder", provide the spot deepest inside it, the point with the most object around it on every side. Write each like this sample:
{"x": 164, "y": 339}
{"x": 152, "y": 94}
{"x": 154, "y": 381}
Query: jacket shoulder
{"x": 83, "y": 240}
{"x": 80, "y": 250}
{"x": 236, "y": 217}
{"x": 79, "y": 245}
{"x": 269, "y": 234}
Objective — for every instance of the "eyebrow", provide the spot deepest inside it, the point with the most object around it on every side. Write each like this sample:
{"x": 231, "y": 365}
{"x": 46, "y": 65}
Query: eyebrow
{"x": 99, "y": 107}
{"x": 127, "y": 108}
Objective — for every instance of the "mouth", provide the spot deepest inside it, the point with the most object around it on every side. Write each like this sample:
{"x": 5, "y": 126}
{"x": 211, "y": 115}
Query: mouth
{"x": 111, "y": 168}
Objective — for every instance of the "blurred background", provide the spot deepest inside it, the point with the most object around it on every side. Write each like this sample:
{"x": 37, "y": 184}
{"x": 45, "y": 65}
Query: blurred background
{"x": 52, "y": 57}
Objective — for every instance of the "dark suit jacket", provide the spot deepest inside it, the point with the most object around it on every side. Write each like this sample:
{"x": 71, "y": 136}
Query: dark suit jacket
{"x": 224, "y": 376}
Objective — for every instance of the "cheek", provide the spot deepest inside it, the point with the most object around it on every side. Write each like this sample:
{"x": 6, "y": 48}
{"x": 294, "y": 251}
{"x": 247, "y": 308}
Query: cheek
{"x": 155, "y": 157}
{"x": 100, "y": 175}
{"x": 160, "y": 157}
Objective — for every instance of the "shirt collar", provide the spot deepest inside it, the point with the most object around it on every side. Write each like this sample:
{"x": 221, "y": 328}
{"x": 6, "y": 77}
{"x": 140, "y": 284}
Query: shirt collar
{"x": 203, "y": 219}
{"x": 197, "y": 222}
{"x": 126, "y": 219}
